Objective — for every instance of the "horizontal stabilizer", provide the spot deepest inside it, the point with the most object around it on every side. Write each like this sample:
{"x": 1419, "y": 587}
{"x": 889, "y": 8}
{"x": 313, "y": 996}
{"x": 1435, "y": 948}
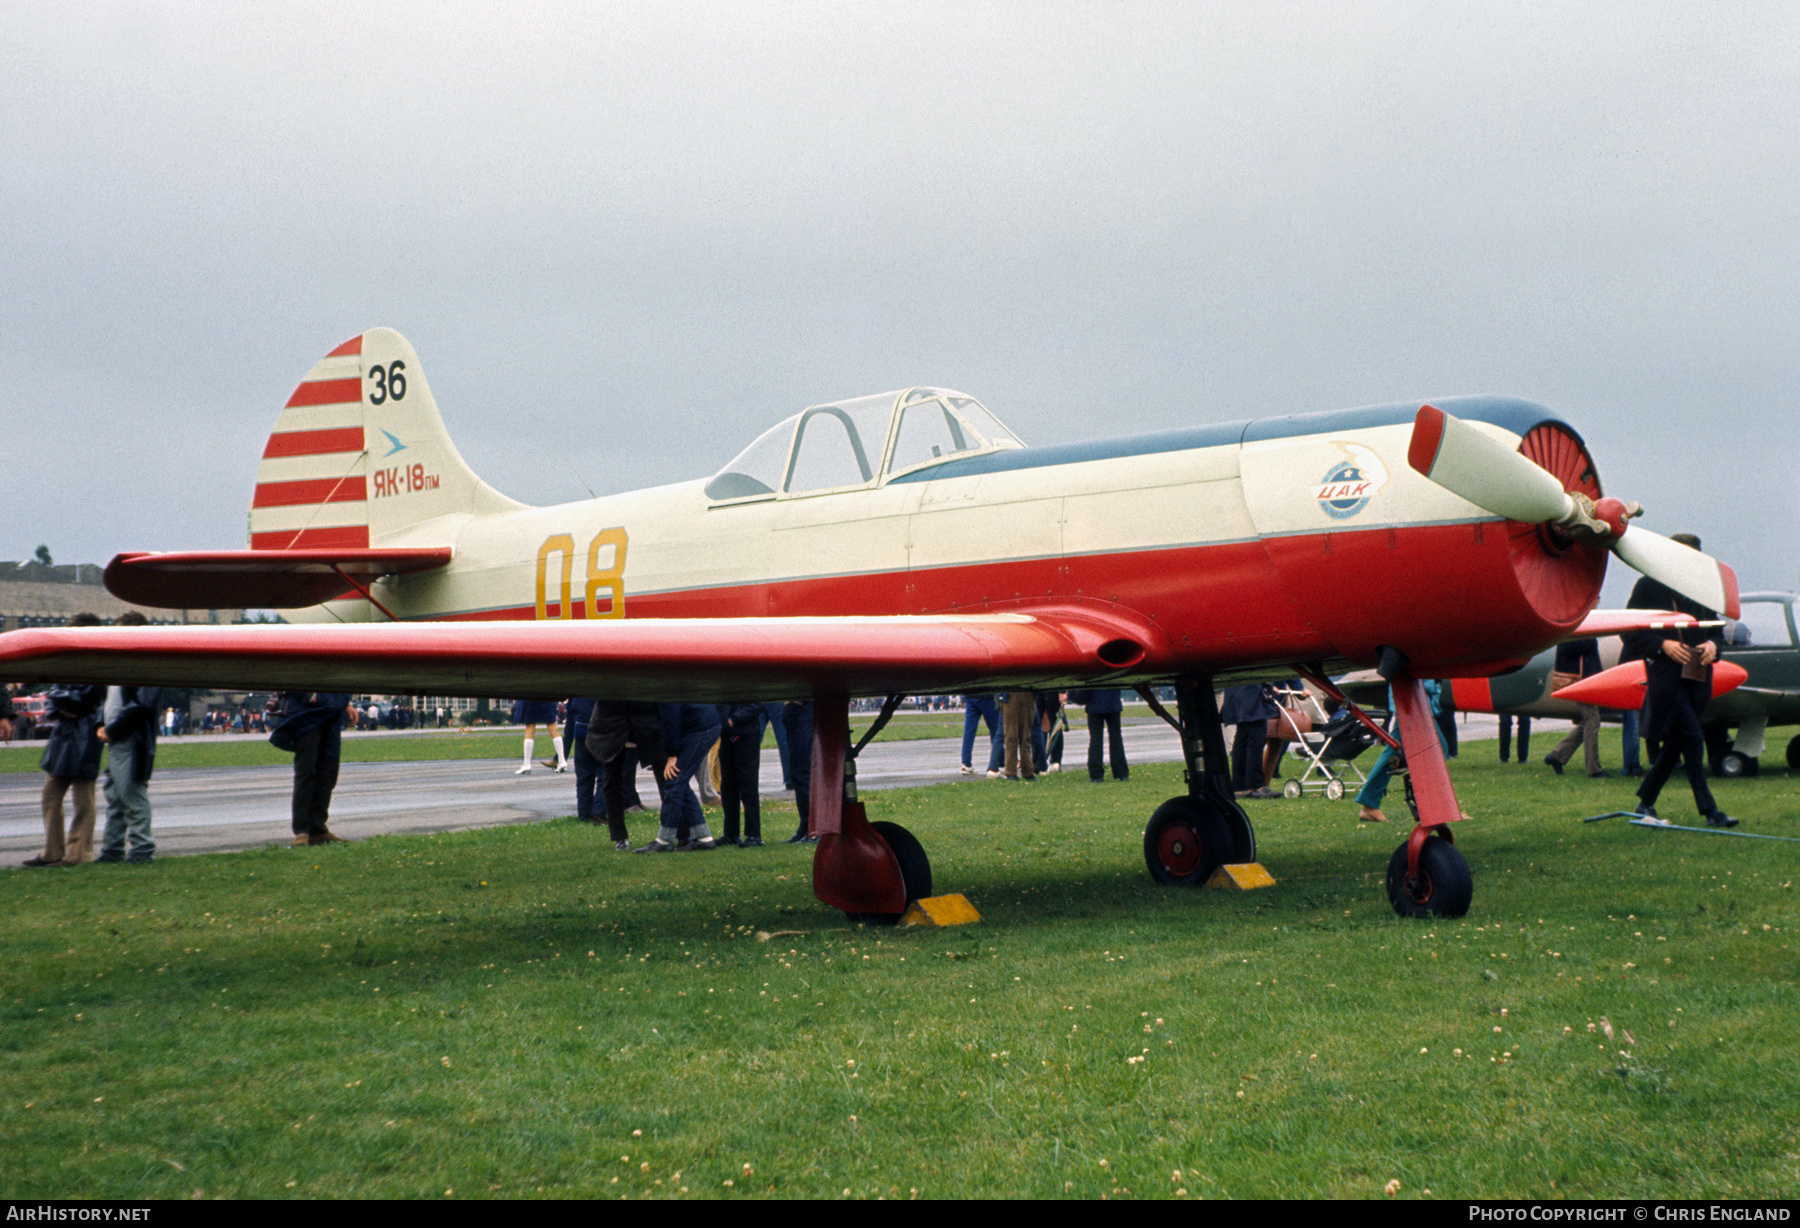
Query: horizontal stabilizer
{"x": 1622, "y": 686}
{"x": 257, "y": 579}
{"x": 698, "y": 660}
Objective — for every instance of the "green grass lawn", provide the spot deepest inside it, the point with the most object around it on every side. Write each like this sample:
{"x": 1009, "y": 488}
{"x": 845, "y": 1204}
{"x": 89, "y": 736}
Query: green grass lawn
{"x": 202, "y": 751}
{"x": 519, "y": 1011}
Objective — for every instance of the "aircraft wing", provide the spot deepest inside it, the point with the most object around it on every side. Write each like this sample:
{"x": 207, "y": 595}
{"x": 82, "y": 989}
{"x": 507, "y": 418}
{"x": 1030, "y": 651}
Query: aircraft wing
{"x": 1618, "y": 622}
{"x": 697, "y": 660}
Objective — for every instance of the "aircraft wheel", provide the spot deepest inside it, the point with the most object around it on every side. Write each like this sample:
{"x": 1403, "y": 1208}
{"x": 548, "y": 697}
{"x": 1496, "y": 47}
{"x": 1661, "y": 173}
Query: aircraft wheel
{"x": 1184, "y": 842}
{"x": 915, "y": 870}
{"x": 1291, "y": 790}
{"x": 1736, "y": 764}
{"x": 1334, "y": 791}
{"x": 1793, "y": 755}
{"x": 1445, "y": 885}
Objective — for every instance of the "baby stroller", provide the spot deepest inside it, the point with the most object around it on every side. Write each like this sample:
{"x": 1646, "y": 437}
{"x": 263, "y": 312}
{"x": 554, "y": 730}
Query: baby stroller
{"x": 1331, "y": 749}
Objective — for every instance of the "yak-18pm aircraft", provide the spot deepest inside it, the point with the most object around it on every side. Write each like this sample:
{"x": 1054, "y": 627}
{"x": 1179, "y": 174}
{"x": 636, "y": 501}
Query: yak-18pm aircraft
{"x": 909, "y": 543}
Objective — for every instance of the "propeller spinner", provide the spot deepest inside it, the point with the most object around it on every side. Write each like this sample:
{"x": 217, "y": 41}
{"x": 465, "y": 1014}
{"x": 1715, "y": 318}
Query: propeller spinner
{"x": 1469, "y": 462}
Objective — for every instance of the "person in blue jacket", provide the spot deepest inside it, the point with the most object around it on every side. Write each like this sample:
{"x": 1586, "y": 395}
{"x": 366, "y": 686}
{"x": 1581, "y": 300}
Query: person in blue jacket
{"x": 688, "y": 733}
{"x": 1104, "y": 708}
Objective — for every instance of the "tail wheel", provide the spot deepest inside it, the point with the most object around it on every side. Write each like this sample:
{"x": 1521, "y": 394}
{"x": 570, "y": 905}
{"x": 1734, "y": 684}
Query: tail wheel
{"x": 1444, "y": 886}
{"x": 915, "y": 870}
{"x": 1793, "y": 755}
{"x": 1184, "y": 842}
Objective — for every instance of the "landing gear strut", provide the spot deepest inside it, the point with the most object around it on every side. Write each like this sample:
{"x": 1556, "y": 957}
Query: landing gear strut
{"x": 1191, "y": 836}
{"x": 871, "y": 871}
{"x": 1426, "y": 876}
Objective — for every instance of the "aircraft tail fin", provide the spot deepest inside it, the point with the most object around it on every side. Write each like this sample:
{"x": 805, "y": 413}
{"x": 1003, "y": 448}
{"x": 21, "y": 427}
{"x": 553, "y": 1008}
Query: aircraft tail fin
{"x": 359, "y": 457}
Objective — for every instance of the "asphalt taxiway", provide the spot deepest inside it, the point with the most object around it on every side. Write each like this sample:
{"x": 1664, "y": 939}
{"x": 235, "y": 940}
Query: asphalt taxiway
{"x": 207, "y": 810}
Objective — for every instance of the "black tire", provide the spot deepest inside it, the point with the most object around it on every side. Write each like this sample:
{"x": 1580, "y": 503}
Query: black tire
{"x": 1793, "y": 755}
{"x": 1735, "y": 765}
{"x": 915, "y": 870}
{"x": 1445, "y": 884}
{"x": 1185, "y": 842}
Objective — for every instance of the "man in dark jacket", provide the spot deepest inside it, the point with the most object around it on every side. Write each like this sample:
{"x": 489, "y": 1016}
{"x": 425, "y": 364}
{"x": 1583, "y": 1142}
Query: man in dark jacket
{"x": 71, "y": 762}
{"x": 1678, "y": 668}
{"x": 312, "y": 727}
{"x": 740, "y": 770}
{"x": 1104, "y": 709}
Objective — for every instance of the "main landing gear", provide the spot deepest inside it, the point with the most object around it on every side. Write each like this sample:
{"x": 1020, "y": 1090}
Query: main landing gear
{"x": 1191, "y": 836}
{"x": 871, "y": 871}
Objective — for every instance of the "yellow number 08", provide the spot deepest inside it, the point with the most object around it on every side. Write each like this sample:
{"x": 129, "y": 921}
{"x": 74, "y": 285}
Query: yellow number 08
{"x": 609, "y": 579}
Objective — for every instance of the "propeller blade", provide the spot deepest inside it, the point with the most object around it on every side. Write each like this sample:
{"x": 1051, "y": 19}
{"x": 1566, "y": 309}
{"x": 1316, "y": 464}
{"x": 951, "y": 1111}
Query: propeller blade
{"x": 1696, "y": 576}
{"x": 1467, "y": 461}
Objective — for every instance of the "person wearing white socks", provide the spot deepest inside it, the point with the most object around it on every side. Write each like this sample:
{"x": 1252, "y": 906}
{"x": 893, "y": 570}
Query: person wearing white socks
{"x": 531, "y": 713}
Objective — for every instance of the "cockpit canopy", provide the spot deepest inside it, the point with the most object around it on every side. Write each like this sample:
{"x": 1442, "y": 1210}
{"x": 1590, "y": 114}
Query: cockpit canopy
{"x": 861, "y": 442}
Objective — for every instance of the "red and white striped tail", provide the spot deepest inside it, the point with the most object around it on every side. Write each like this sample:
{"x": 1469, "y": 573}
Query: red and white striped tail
{"x": 360, "y": 455}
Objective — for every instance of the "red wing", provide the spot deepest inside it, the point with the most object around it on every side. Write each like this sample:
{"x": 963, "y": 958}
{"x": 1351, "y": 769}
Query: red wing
{"x": 698, "y": 660}
{"x": 256, "y": 579}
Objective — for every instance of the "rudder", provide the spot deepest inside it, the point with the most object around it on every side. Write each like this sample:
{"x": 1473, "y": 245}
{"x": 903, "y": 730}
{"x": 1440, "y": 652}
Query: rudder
{"x": 359, "y": 457}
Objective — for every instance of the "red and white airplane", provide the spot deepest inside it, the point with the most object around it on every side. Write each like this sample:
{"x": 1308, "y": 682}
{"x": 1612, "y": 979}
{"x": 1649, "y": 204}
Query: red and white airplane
{"x": 908, "y": 543}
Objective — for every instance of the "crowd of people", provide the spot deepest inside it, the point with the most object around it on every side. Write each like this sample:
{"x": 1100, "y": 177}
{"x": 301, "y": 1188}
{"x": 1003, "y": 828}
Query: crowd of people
{"x": 604, "y": 743}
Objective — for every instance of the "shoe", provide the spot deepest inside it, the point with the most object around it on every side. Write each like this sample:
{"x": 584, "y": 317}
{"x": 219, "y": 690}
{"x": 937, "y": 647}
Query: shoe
{"x": 656, "y": 846}
{"x": 37, "y": 861}
{"x": 562, "y": 767}
{"x": 1634, "y": 772}
{"x": 995, "y": 774}
{"x": 1719, "y": 818}
{"x": 966, "y": 770}
{"x": 1261, "y": 794}
{"x": 520, "y": 771}
{"x": 140, "y": 861}
{"x": 750, "y": 842}
{"x": 549, "y": 763}
{"x": 636, "y": 810}
{"x": 1551, "y": 763}
{"x": 1054, "y": 767}
{"x": 110, "y": 859}
{"x": 700, "y": 846}
{"x": 1368, "y": 814}
{"x": 1600, "y": 775}
{"x": 622, "y": 846}
{"x": 302, "y": 840}
{"x": 325, "y": 837}
{"x": 799, "y": 837}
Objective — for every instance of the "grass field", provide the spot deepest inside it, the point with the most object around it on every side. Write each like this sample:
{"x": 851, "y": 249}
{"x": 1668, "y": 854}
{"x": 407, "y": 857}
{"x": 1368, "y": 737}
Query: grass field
{"x": 203, "y": 751}
{"x": 521, "y": 1012}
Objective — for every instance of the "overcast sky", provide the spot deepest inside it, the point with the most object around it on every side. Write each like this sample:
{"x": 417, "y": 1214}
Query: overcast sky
{"x": 625, "y": 239}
